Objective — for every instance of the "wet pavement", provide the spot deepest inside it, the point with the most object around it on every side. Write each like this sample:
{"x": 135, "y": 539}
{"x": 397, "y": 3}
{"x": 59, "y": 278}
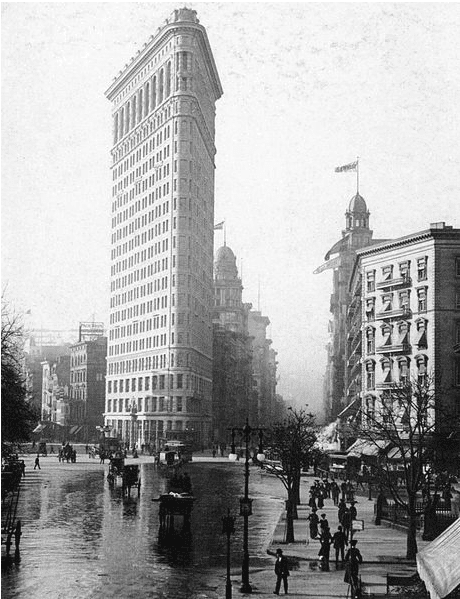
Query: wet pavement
{"x": 83, "y": 540}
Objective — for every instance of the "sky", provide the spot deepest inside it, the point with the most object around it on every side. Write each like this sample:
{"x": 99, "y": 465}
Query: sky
{"x": 307, "y": 87}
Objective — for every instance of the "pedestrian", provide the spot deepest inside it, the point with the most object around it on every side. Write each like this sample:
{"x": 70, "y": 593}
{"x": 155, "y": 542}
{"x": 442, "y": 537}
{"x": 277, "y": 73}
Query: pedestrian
{"x": 281, "y": 571}
{"x": 339, "y": 541}
{"x": 320, "y": 499}
{"x": 353, "y": 559}
{"x": 52, "y": 449}
{"x": 335, "y": 492}
{"x": 312, "y": 500}
{"x": 325, "y": 549}
{"x": 346, "y": 523}
{"x": 37, "y": 462}
{"x": 323, "y": 523}
{"x": 343, "y": 488}
{"x": 214, "y": 452}
{"x": 342, "y": 510}
{"x": 353, "y": 511}
{"x": 314, "y": 520}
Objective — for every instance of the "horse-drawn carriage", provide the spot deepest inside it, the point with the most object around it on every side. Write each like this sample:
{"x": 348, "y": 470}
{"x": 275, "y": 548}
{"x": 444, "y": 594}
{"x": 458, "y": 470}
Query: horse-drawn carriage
{"x": 126, "y": 474}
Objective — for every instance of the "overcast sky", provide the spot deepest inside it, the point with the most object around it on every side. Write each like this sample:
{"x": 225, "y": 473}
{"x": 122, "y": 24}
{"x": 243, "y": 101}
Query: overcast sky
{"x": 307, "y": 87}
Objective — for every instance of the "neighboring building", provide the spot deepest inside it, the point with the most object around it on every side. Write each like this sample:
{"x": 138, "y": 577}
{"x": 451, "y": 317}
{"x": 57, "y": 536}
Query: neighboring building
{"x": 55, "y": 391}
{"x": 233, "y": 393}
{"x": 404, "y": 319}
{"x": 264, "y": 369}
{"x": 159, "y": 364}
{"x": 340, "y": 259}
{"x": 34, "y": 354}
{"x": 87, "y": 388}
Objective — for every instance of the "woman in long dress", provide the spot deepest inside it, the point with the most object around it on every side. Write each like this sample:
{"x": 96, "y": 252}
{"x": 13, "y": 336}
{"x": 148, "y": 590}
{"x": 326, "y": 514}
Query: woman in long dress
{"x": 313, "y": 518}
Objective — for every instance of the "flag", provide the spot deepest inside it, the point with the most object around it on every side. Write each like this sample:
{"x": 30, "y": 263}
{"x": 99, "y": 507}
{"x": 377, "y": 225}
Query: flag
{"x": 219, "y": 226}
{"x": 29, "y": 312}
{"x": 347, "y": 167}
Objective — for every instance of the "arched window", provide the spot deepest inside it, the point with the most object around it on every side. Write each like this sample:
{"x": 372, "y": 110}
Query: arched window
{"x": 421, "y": 324}
{"x": 386, "y": 335}
{"x": 134, "y": 107}
{"x": 403, "y": 369}
{"x": 141, "y": 107}
{"x": 127, "y": 117}
{"x": 147, "y": 99}
{"x": 154, "y": 92}
{"x": 403, "y": 329}
{"x": 370, "y": 375}
{"x": 115, "y": 128}
{"x": 122, "y": 122}
{"x": 168, "y": 80}
{"x": 370, "y": 340}
{"x": 160, "y": 86}
{"x": 369, "y": 402}
{"x": 421, "y": 361}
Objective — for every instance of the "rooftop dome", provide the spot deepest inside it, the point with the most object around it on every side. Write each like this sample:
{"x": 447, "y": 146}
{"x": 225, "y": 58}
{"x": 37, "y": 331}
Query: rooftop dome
{"x": 224, "y": 253}
{"x": 357, "y": 204}
{"x": 225, "y": 265}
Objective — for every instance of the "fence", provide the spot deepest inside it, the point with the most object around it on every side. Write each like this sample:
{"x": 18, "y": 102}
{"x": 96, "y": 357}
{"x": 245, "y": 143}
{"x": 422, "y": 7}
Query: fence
{"x": 397, "y": 514}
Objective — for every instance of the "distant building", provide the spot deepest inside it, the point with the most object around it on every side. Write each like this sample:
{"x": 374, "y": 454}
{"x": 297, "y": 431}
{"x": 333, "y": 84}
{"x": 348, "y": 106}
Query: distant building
{"x": 340, "y": 259}
{"x": 87, "y": 388}
{"x": 233, "y": 393}
{"x": 159, "y": 363}
{"x": 404, "y": 320}
{"x": 55, "y": 391}
{"x": 264, "y": 368}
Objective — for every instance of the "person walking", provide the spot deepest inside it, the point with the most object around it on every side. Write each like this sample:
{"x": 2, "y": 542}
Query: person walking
{"x": 335, "y": 492}
{"x": 314, "y": 520}
{"x": 342, "y": 510}
{"x": 281, "y": 571}
{"x": 353, "y": 560}
{"x": 339, "y": 541}
{"x": 37, "y": 462}
{"x": 325, "y": 550}
{"x": 346, "y": 522}
{"x": 323, "y": 523}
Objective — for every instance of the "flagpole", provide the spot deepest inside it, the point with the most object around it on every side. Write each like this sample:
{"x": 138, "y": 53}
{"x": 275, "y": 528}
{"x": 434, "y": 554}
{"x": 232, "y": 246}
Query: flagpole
{"x": 357, "y": 174}
{"x": 225, "y": 233}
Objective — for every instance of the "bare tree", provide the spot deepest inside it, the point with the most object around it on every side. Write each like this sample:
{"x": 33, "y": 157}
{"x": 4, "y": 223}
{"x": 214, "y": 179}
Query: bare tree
{"x": 292, "y": 442}
{"x": 404, "y": 421}
{"x": 18, "y": 417}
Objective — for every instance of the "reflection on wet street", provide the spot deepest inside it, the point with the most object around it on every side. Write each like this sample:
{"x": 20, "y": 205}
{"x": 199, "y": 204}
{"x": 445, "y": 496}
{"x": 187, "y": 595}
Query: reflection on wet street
{"x": 82, "y": 540}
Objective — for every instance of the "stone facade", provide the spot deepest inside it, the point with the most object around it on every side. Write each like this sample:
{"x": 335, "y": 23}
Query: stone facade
{"x": 55, "y": 391}
{"x": 87, "y": 388}
{"x": 404, "y": 318}
{"x": 159, "y": 364}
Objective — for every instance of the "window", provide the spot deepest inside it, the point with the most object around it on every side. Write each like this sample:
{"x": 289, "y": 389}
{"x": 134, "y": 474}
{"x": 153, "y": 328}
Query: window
{"x": 404, "y": 299}
{"x": 109, "y": 387}
{"x": 161, "y": 404}
{"x": 121, "y": 387}
{"x": 386, "y": 335}
{"x": 457, "y": 266}
{"x": 370, "y": 375}
{"x": 403, "y": 368}
{"x": 387, "y": 273}
{"x": 387, "y": 301}
{"x": 162, "y": 381}
{"x": 154, "y": 382}
{"x": 370, "y": 281}
{"x": 109, "y": 405}
{"x": 386, "y": 370}
{"x": 180, "y": 381}
{"x": 370, "y": 309}
{"x": 370, "y": 407}
{"x": 421, "y": 324}
{"x": 422, "y": 273}
{"x": 115, "y": 386}
{"x": 126, "y": 405}
{"x": 421, "y": 296}
{"x": 421, "y": 362}
{"x": 139, "y": 384}
{"x": 457, "y": 300}
{"x": 179, "y": 404}
{"x": 404, "y": 269}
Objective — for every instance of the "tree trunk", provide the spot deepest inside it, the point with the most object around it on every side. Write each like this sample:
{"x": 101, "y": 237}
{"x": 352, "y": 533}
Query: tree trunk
{"x": 412, "y": 528}
{"x": 289, "y": 521}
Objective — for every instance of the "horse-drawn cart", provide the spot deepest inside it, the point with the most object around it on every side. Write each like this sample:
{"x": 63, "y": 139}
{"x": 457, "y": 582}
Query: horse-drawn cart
{"x": 126, "y": 474}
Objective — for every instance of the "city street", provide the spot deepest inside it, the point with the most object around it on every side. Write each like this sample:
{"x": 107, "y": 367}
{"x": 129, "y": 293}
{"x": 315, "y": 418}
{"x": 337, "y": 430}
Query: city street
{"x": 73, "y": 524}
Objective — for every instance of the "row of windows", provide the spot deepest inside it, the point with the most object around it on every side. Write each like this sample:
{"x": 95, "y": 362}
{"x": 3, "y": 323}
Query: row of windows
{"x": 143, "y": 383}
{"x": 152, "y": 93}
{"x": 388, "y": 304}
{"x": 388, "y": 272}
{"x": 394, "y": 370}
{"x": 179, "y": 359}
{"x": 148, "y": 404}
{"x": 152, "y": 428}
{"x": 397, "y": 334}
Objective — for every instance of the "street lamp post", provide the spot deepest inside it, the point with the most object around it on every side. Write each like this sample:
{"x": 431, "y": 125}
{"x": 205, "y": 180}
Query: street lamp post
{"x": 228, "y": 528}
{"x": 245, "y": 501}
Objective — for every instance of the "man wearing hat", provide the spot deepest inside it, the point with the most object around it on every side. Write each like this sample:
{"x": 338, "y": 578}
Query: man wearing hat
{"x": 353, "y": 559}
{"x": 281, "y": 571}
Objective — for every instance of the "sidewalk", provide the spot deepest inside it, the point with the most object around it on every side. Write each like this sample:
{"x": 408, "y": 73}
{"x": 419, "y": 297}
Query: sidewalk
{"x": 383, "y": 549}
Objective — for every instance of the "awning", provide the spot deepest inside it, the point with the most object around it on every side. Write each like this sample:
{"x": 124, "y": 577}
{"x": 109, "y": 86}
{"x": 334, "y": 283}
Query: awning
{"x": 39, "y": 428}
{"x": 438, "y": 564}
{"x": 352, "y": 407}
{"x": 396, "y": 454}
{"x": 366, "y": 447}
{"x": 75, "y": 429}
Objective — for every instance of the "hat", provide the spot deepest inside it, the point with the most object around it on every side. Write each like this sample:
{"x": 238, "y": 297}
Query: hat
{"x": 279, "y": 551}
{"x": 353, "y": 542}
